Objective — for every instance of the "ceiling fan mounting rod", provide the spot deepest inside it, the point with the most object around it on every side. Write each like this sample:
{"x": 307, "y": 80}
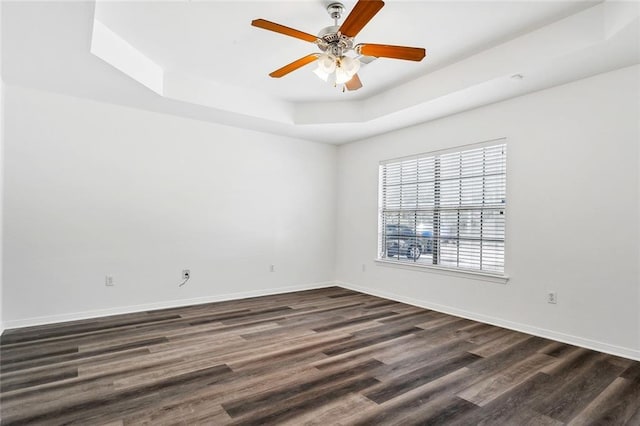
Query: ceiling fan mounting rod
{"x": 335, "y": 11}
{"x": 330, "y": 39}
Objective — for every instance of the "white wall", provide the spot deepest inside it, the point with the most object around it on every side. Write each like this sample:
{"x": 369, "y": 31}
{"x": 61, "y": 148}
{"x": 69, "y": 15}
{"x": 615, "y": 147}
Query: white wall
{"x": 93, "y": 189}
{"x": 1, "y": 175}
{"x": 572, "y": 213}
{"x": 1, "y": 186}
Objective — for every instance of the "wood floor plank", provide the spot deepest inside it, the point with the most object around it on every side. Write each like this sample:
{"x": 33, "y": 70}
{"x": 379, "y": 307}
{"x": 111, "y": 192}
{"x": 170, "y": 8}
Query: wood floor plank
{"x": 331, "y": 412}
{"x": 325, "y": 356}
{"x": 27, "y": 381}
{"x": 492, "y": 347}
{"x": 413, "y": 353}
{"x": 377, "y": 349}
{"x": 511, "y": 408}
{"x": 418, "y": 377}
{"x": 485, "y": 391}
{"x": 614, "y": 405}
{"x": 395, "y": 410}
{"x": 64, "y": 358}
{"x": 283, "y": 403}
{"x": 572, "y": 397}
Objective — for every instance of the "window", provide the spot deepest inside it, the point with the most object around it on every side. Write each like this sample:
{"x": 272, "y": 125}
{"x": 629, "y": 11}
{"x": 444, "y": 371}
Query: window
{"x": 445, "y": 209}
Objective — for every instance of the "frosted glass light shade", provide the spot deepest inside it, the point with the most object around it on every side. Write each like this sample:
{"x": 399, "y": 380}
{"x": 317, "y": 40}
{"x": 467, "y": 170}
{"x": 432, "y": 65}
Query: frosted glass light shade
{"x": 326, "y": 63}
{"x": 321, "y": 73}
{"x": 336, "y": 70}
{"x": 349, "y": 65}
{"x": 342, "y": 76}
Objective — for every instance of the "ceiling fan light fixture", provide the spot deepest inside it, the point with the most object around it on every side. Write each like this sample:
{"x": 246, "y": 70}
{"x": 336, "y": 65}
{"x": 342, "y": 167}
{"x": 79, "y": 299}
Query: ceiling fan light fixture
{"x": 336, "y": 70}
{"x": 321, "y": 74}
{"x": 326, "y": 63}
{"x": 326, "y": 66}
{"x": 349, "y": 65}
{"x": 342, "y": 76}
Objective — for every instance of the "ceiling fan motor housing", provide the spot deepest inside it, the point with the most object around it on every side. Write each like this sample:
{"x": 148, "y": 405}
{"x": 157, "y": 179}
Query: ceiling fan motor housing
{"x": 332, "y": 41}
{"x": 330, "y": 38}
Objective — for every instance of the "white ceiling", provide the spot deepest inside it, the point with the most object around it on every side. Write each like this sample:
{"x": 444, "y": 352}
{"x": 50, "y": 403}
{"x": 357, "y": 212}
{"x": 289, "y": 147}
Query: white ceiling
{"x": 203, "y": 59}
{"x": 213, "y": 40}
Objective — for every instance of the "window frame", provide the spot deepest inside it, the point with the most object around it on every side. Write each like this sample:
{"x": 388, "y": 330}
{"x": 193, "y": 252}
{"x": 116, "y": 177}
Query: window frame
{"x": 487, "y": 275}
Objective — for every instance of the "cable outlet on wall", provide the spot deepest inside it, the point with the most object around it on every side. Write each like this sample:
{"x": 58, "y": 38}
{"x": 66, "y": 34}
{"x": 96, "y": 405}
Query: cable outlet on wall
{"x": 108, "y": 281}
{"x": 186, "y": 274}
{"x": 552, "y": 297}
{"x": 272, "y": 268}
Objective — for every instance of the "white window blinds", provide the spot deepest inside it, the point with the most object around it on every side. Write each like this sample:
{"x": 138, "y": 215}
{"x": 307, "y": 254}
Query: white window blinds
{"x": 445, "y": 209}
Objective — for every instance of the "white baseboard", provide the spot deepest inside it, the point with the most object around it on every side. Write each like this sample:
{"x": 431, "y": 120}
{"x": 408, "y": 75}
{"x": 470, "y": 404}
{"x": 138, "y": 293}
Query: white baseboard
{"x": 28, "y": 322}
{"x": 524, "y": 328}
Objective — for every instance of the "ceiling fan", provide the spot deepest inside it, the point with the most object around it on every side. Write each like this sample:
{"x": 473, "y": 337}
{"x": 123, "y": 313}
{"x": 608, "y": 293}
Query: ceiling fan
{"x": 334, "y": 65}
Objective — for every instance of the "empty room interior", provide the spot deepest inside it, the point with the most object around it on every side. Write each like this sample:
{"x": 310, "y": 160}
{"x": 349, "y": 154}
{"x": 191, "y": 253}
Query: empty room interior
{"x": 320, "y": 212}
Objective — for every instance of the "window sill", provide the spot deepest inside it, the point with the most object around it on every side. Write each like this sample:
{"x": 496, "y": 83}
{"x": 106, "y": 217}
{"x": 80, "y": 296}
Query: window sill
{"x": 483, "y": 276}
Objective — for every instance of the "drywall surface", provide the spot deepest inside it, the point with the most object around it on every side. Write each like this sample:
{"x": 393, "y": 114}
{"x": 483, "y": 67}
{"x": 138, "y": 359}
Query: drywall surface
{"x": 94, "y": 189}
{"x": 1, "y": 187}
{"x": 1, "y": 174}
{"x": 572, "y": 213}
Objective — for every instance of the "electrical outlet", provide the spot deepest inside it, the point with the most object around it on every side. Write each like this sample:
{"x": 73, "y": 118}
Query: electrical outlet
{"x": 552, "y": 297}
{"x": 272, "y": 268}
{"x": 108, "y": 281}
{"x": 186, "y": 274}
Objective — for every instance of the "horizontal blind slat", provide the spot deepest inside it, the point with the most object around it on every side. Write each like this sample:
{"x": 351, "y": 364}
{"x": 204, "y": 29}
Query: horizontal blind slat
{"x": 454, "y": 201}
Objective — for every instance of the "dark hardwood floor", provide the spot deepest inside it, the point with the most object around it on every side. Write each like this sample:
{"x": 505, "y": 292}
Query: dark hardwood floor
{"x": 329, "y": 356}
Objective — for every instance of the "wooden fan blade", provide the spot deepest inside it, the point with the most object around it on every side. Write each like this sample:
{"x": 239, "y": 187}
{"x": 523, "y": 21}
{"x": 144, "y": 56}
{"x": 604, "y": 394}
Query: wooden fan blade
{"x": 361, "y": 14}
{"x": 354, "y": 83}
{"x": 272, "y": 26}
{"x": 281, "y": 72}
{"x": 395, "y": 52}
